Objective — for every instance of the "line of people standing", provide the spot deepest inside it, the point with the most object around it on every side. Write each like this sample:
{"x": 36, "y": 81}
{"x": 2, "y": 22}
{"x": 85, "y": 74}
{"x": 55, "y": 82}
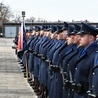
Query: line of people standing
{"x": 61, "y": 61}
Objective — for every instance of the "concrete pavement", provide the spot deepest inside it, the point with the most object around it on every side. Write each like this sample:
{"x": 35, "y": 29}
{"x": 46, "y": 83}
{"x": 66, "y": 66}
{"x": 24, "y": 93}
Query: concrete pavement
{"x": 12, "y": 82}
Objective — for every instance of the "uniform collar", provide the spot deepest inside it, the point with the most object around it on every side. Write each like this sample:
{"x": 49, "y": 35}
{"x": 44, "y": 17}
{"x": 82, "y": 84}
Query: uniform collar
{"x": 91, "y": 47}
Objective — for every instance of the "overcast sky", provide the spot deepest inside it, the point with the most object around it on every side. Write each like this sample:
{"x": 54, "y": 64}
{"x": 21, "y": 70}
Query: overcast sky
{"x": 53, "y": 10}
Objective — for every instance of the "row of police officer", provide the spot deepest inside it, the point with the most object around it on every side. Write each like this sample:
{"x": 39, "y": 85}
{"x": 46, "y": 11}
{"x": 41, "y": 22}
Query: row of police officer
{"x": 63, "y": 60}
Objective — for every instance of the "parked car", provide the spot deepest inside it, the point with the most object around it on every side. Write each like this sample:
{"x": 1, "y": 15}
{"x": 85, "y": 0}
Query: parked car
{"x": 1, "y": 34}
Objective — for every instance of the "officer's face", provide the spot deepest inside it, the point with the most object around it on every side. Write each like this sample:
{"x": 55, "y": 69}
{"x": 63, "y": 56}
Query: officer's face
{"x": 97, "y": 37}
{"x": 33, "y": 33}
{"x": 41, "y": 32}
{"x": 85, "y": 40}
{"x": 76, "y": 39}
{"x": 53, "y": 36}
{"x": 70, "y": 39}
{"x": 48, "y": 34}
{"x": 64, "y": 34}
{"x": 37, "y": 33}
{"x": 60, "y": 36}
{"x": 28, "y": 34}
{"x": 44, "y": 33}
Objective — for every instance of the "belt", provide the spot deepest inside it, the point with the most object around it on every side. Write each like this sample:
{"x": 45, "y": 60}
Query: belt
{"x": 47, "y": 61}
{"x": 35, "y": 53}
{"x": 75, "y": 87}
{"x": 78, "y": 87}
{"x": 68, "y": 84}
{"x": 43, "y": 58}
{"x": 30, "y": 50}
{"x": 40, "y": 55}
{"x": 55, "y": 68}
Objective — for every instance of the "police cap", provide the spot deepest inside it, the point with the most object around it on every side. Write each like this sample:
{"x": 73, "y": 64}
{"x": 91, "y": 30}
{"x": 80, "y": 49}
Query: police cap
{"x": 76, "y": 29}
{"x": 88, "y": 29}
{"x": 70, "y": 29}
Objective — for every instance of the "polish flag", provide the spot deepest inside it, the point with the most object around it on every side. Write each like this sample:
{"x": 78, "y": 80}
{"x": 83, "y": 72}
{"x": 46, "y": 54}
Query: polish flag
{"x": 22, "y": 37}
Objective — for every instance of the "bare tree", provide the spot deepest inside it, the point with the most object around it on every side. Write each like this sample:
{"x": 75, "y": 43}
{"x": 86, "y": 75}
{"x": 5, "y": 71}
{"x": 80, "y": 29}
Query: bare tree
{"x": 5, "y": 15}
{"x": 31, "y": 19}
{"x": 5, "y": 12}
{"x": 16, "y": 18}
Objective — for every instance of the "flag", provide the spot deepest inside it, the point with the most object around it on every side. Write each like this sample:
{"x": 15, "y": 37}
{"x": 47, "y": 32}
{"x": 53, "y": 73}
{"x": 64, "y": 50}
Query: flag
{"x": 22, "y": 37}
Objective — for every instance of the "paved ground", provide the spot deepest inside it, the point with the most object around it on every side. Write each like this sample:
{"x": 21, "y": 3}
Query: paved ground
{"x": 12, "y": 82}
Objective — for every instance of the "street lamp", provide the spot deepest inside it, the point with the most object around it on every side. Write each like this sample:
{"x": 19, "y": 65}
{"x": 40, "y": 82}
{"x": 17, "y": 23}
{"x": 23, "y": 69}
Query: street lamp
{"x": 1, "y": 19}
{"x": 23, "y": 14}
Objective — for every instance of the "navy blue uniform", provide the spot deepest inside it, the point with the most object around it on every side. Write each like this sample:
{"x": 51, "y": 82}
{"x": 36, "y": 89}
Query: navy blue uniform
{"x": 54, "y": 92}
{"x": 83, "y": 69}
{"x": 31, "y": 56}
{"x": 24, "y": 55}
{"x": 57, "y": 76}
{"x": 43, "y": 66}
{"x": 69, "y": 66}
{"x": 94, "y": 79}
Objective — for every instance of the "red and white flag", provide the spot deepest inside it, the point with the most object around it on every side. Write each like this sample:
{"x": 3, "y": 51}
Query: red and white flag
{"x": 22, "y": 37}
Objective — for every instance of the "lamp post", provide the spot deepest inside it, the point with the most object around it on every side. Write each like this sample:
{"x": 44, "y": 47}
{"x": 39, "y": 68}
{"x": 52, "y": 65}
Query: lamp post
{"x": 1, "y": 18}
{"x": 23, "y": 14}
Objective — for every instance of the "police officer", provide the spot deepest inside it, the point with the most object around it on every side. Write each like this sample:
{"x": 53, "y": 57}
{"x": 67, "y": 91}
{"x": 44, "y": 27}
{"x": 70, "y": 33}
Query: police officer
{"x": 53, "y": 56}
{"x": 42, "y": 77}
{"x": 62, "y": 34}
{"x": 26, "y": 59}
{"x": 69, "y": 60}
{"x": 93, "y": 89}
{"x": 29, "y": 39}
{"x": 65, "y": 52}
{"x": 15, "y": 41}
{"x": 35, "y": 58}
{"x": 84, "y": 64}
{"x": 35, "y": 39}
{"x": 50, "y": 52}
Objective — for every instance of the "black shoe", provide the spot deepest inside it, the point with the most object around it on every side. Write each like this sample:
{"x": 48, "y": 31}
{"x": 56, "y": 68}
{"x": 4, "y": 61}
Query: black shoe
{"x": 20, "y": 63}
{"x": 23, "y": 68}
{"x": 36, "y": 90}
{"x": 38, "y": 94}
{"x": 33, "y": 85}
{"x": 24, "y": 75}
{"x": 30, "y": 82}
{"x": 24, "y": 71}
{"x": 29, "y": 79}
